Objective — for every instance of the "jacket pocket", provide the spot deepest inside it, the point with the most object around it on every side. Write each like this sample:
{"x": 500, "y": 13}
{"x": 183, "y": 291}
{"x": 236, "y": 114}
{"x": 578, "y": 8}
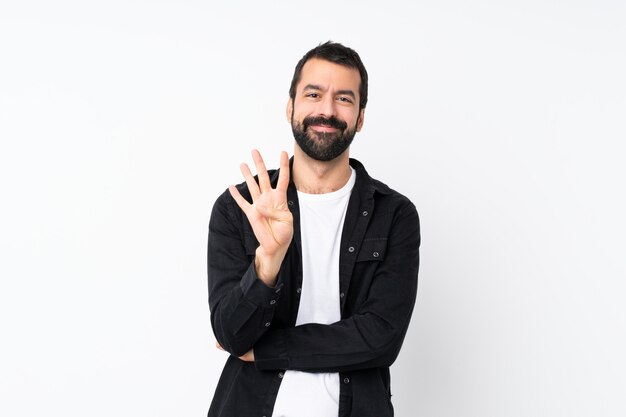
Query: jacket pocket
{"x": 372, "y": 249}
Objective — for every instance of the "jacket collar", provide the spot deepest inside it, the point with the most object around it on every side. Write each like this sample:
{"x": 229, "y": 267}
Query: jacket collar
{"x": 364, "y": 182}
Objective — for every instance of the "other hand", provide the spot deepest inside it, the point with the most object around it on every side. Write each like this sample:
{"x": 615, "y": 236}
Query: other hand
{"x": 248, "y": 357}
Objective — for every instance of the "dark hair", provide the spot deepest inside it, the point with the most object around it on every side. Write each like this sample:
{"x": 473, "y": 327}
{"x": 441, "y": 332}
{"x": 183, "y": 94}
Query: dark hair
{"x": 338, "y": 54}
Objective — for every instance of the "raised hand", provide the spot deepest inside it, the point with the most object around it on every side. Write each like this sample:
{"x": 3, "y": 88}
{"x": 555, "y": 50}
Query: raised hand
{"x": 269, "y": 215}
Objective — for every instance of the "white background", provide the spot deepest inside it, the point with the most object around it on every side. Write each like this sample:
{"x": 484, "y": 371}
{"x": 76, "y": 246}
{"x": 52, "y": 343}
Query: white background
{"x": 122, "y": 121}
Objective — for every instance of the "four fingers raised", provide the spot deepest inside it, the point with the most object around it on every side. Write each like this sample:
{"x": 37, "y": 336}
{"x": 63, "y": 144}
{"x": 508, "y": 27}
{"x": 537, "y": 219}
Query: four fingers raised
{"x": 264, "y": 179}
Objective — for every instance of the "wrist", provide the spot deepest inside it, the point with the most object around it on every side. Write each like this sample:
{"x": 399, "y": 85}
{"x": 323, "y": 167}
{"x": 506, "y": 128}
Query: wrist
{"x": 268, "y": 266}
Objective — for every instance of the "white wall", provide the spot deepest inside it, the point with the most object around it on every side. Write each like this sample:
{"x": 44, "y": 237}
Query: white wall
{"x": 121, "y": 122}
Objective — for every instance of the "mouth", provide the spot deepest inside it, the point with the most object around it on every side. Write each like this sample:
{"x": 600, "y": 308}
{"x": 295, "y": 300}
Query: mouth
{"x": 323, "y": 128}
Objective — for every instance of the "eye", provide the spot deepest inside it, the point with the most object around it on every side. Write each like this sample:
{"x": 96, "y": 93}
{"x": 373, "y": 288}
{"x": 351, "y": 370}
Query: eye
{"x": 313, "y": 95}
{"x": 345, "y": 99}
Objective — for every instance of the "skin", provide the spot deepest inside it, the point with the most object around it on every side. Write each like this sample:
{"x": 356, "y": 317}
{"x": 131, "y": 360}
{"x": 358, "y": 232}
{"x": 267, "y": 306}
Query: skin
{"x": 309, "y": 175}
{"x": 325, "y": 89}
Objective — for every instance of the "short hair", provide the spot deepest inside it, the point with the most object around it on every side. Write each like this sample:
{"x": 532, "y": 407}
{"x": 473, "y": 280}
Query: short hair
{"x": 338, "y": 54}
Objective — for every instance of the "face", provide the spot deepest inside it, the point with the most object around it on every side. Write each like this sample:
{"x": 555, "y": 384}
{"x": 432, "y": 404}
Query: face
{"x": 325, "y": 114}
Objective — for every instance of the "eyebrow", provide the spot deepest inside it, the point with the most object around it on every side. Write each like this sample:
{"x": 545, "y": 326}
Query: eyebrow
{"x": 339, "y": 92}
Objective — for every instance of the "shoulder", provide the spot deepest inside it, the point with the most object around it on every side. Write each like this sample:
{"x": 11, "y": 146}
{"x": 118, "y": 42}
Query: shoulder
{"x": 397, "y": 212}
{"x": 383, "y": 194}
{"x": 390, "y": 198}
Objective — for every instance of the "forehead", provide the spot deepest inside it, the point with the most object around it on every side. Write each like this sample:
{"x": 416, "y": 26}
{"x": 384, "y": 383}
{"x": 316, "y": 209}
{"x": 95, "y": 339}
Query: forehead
{"x": 329, "y": 75}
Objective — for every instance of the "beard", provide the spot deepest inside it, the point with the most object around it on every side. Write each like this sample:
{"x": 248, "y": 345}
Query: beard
{"x": 323, "y": 146}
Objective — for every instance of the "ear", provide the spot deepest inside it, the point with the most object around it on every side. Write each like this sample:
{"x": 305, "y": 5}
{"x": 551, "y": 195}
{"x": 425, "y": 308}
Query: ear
{"x": 359, "y": 124}
{"x": 289, "y": 110}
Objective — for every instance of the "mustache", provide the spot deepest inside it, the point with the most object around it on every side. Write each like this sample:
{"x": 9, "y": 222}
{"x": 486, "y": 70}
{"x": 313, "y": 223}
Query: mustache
{"x": 331, "y": 121}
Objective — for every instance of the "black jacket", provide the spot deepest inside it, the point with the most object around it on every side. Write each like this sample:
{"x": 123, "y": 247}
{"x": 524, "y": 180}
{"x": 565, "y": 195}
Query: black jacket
{"x": 378, "y": 267}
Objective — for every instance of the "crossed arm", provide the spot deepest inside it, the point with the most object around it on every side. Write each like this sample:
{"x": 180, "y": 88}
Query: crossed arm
{"x": 237, "y": 309}
{"x": 371, "y": 337}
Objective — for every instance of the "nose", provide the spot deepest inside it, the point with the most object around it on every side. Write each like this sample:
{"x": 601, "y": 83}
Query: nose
{"x": 327, "y": 106}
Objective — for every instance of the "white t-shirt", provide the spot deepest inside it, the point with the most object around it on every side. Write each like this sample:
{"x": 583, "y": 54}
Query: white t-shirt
{"x": 304, "y": 394}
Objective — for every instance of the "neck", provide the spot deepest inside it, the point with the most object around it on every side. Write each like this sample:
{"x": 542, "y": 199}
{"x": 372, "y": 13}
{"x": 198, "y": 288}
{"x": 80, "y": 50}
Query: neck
{"x": 318, "y": 177}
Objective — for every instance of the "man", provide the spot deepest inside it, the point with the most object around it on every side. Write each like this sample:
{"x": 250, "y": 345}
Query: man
{"x": 312, "y": 268}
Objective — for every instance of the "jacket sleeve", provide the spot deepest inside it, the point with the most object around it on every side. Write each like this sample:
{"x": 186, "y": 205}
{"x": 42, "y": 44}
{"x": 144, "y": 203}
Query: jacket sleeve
{"x": 241, "y": 305}
{"x": 371, "y": 337}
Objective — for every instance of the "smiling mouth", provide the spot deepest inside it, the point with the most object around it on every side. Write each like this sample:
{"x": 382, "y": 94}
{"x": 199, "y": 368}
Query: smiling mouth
{"x": 323, "y": 128}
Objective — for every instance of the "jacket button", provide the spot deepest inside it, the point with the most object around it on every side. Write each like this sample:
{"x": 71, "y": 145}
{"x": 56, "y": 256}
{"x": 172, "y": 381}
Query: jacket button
{"x": 290, "y": 202}
{"x": 280, "y": 375}
{"x": 365, "y": 213}
{"x": 375, "y": 254}
{"x": 273, "y": 302}
{"x": 351, "y": 249}
{"x": 267, "y": 324}
{"x": 341, "y": 295}
{"x": 346, "y": 380}
{"x": 299, "y": 290}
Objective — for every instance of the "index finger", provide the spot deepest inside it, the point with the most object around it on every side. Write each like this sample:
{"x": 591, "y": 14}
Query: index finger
{"x": 283, "y": 174}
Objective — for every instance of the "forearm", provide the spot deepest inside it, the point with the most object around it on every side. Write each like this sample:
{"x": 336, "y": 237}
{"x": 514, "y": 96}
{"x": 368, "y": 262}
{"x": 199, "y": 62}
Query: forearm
{"x": 244, "y": 313}
{"x": 360, "y": 342}
{"x": 373, "y": 334}
{"x": 267, "y": 266}
{"x": 240, "y": 303}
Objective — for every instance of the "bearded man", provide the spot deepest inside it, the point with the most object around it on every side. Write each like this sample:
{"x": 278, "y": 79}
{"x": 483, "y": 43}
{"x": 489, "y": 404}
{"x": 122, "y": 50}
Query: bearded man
{"x": 312, "y": 268}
